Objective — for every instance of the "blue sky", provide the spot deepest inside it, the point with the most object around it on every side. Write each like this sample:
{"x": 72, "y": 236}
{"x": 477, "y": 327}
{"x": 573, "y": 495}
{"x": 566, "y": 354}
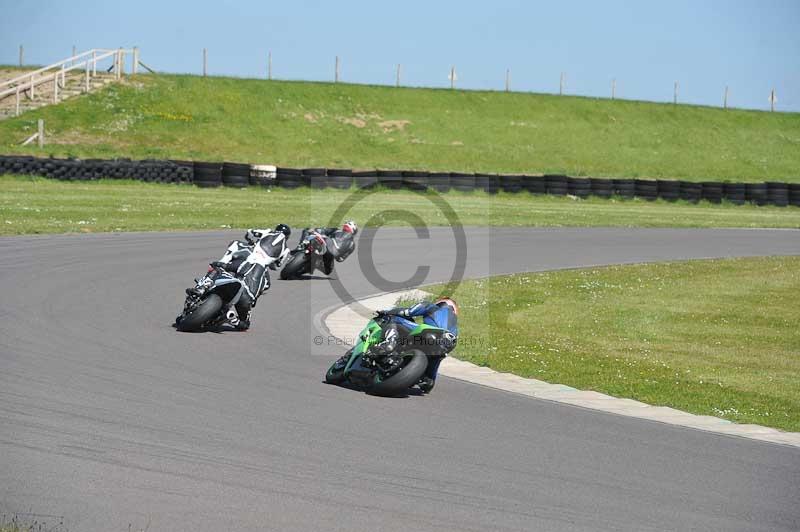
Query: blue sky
{"x": 751, "y": 46}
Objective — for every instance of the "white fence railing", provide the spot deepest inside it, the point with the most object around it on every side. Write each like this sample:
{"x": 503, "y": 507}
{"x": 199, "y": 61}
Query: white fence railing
{"x": 56, "y": 73}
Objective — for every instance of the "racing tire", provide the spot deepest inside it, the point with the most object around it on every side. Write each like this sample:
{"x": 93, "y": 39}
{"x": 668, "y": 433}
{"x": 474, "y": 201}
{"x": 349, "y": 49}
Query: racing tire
{"x": 400, "y": 382}
{"x": 207, "y": 310}
{"x": 295, "y": 267}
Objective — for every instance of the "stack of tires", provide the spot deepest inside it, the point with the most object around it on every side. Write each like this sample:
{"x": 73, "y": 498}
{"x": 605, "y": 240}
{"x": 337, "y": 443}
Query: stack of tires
{"x": 579, "y": 186}
{"x": 556, "y": 184}
{"x": 316, "y": 178}
{"x": 483, "y": 182}
{"x": 794, "y": 194}
{"x": 462, "y": 182}
{"x": 669, "y": 190}
{"x": 207, "y": 174}
{"x": 415, "y": 180}
{"x": 289, "y": 177}
{"x": 691, "y": 191}
{"x": 494, "y": 184}
{"x": 341, "y": 178}
{"x": 535, "y": 184}
{"x": 734, "y": 192}
{"x": 511, "y": 183}
{"x": 756, "y": 193}
{"x": 262, "y": 175}
{"x": 365, "y": 179}
{"x": 625, "y": 188}
{"x": 391, "y": 179}
{"x": 235, "y": 175}
{"x": 439, "y": 181}
{"x": 603, "y": 188}
{"x": 777, "y": 194}
{"x": 646, "y": 189}
{"x": 712, "y": 191}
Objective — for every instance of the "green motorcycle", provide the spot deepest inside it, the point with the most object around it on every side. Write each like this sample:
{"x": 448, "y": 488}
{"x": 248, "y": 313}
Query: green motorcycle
{"x": 413, "y": 362}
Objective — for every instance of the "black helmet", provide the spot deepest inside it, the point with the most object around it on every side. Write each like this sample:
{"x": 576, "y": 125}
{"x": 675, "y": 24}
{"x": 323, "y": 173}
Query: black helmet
{"x": 283, "y": 228}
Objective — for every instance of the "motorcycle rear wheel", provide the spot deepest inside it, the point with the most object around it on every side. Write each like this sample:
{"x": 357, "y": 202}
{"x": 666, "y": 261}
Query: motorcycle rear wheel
{"x": 204, "y": 312}
{"x": 405, "y": 378}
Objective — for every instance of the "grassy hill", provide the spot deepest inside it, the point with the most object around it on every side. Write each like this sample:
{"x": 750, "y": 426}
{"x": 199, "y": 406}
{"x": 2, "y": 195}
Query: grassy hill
{"x": 340, "y": 125}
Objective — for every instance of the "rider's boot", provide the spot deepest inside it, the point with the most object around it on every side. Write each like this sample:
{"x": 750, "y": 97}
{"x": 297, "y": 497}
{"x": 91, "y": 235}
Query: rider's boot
{"x": 426, "y": 384}
{"x": 244, "y": 323}
{"x": 233, "y": 317}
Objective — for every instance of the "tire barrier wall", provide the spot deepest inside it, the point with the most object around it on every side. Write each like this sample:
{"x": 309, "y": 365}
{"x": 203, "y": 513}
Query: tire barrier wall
{"x": 215, "y": 174}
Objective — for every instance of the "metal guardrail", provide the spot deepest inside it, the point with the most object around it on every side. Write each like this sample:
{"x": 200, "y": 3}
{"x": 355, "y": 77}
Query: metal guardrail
{"x": 86, "y": 61}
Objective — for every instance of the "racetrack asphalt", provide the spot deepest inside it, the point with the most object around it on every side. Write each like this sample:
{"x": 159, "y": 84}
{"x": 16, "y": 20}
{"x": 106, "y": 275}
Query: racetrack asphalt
{"x": 110, "y": 418}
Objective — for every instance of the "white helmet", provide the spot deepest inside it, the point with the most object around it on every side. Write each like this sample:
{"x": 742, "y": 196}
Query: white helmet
{"x": 350, "y": 227}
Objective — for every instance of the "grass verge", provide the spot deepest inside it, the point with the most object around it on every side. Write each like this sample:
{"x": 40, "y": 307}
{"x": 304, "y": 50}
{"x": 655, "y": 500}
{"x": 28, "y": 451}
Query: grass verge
{"x": 342, "y": 125}
{"x": 714, "y": 337}
{"x": 36, "y": 205}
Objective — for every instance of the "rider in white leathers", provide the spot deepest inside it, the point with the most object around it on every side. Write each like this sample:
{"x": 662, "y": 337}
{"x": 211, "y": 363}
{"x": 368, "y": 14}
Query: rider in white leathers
{"x": 248, "y": 261}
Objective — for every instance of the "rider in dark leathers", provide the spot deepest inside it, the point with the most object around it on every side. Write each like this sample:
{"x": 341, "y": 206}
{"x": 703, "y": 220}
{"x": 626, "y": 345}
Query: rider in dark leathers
{"x": 248, "y": 260}
{"x": 442, "y": 313}
{"x": 339, "y": 243}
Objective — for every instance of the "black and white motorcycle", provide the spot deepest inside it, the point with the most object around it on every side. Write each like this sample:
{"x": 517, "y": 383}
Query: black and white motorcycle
{"x": 212, "y": 301}
{"x": 241, "y": 275}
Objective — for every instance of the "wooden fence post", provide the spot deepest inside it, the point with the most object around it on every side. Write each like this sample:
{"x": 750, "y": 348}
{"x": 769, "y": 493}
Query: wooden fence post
{"x": 41, "y": 133}
{"x": 86, "y": 79}
{"x": 21, "y": 55}
{"x": 269, "y": 65}
{"x": 675, "y": 93}
{"x": 74, "y": 52}
{"x": 135, "y": 69}
{"x": 17, "y": 103}
{"x": 725, "y": 100}
{"x": 453, "y": 77}
{"x": 772, "y": 100}
{"x": 94, "y": 63}
{"x": 397, "y": 79}
{"x": 508, "y": 79}
{"x": 561, "y": 85}
{"x": 336, "y": 72}
{"x": 205, "y": 62}
{"x": 613, "y": 88}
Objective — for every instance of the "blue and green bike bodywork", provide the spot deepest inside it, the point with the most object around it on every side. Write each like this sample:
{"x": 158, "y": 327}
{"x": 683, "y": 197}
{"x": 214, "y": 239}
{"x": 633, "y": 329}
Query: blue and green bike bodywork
{"x": 415, "y": 360}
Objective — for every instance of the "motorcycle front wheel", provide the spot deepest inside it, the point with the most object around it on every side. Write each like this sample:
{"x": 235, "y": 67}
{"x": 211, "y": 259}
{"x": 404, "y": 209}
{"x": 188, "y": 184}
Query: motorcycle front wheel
{"x": 405, "y": 378}
{"x": 207, "y": 310}
{"x": 295, "y": 267}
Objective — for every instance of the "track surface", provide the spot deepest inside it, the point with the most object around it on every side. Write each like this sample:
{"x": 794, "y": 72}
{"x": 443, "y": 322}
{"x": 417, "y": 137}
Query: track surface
{"x": 109, "y": 417}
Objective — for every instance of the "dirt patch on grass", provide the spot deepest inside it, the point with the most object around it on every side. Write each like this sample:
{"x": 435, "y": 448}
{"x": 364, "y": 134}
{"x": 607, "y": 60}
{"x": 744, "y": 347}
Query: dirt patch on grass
{"x": 355, "y": 122}
{"x": 77, "y": 138}
{"x": 310, "y": 117}
{"x": 389, "y": 126}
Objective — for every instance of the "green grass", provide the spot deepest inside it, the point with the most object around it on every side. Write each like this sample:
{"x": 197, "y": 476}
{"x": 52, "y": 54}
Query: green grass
{"x": 715, "y": 337}
{"x": 340, "y": 125}
{"x": 37, "y": 205}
